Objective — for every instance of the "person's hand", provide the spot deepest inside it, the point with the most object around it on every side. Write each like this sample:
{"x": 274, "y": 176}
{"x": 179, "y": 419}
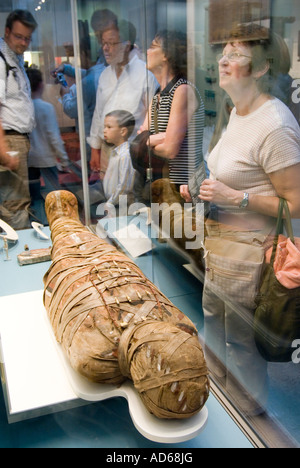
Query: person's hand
{"x": 216, "y": 192}
{"x": 157, "y": 139}
{"x": 185, "y": 194}
{"x": 63, "y": 165}
{"x": 59, "y": 69}
{"x": 110, "y": 210}
{"x": 141, "y": 130}
{"x": 95, "y": 160}
{"x": 64, "y": 90}
{"x": 11, "y": 162}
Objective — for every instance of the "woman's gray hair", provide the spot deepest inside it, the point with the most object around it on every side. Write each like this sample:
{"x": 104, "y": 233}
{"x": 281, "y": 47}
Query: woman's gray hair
{"x": 270, "y": 53}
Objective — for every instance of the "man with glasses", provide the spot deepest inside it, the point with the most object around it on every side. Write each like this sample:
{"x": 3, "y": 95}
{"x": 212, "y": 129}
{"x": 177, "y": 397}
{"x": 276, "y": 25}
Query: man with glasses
{"x": 17, "y": 116}
{"x": 101, "y": 20}
{"x": 125, "y": 84}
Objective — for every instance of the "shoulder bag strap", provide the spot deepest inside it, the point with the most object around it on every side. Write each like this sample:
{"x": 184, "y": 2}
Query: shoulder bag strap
{"x": 155, "y": 116}
{"x": 283, "y": 205}
{"x": 288, "y": 222}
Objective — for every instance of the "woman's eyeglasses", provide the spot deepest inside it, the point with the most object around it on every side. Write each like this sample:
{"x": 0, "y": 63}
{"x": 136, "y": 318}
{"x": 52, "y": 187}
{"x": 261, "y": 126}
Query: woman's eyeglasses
{"x": 109, "y": 44}
{"x": 232, "y": 57}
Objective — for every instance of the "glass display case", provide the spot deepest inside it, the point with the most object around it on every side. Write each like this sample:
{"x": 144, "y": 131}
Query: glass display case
{"x": 175, "y": 119}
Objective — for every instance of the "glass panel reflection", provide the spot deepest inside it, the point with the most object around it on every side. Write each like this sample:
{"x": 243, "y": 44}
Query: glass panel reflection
{"x": 189, "y": 124}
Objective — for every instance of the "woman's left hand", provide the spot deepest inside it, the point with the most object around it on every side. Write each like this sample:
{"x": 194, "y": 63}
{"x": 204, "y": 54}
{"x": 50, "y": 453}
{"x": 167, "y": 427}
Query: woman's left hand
{"x": 218, "y": 193}
{"x": 156, "y": 139}
{"x": 64, "y": 90}
{"x": 185, "y": 193}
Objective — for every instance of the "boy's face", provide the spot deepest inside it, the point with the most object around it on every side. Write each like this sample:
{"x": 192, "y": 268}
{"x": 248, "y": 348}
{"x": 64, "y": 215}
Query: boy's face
{"x": 113, "y": 133}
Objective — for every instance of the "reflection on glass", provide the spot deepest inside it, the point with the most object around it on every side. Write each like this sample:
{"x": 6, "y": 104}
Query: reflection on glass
{"x": 225, "y": 17}
{"x": 248, "y": 171}
{"x": 167, "y": 86}
{"x": 47, "y": 154}
{"x": 17, "y": 118}
{"x": 123, "y": 86}
{"x": 177, "y": 111}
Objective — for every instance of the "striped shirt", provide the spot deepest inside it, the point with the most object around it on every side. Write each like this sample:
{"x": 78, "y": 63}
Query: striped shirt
{"x": 190, "y": 154}
{"x": 119, "y": 177}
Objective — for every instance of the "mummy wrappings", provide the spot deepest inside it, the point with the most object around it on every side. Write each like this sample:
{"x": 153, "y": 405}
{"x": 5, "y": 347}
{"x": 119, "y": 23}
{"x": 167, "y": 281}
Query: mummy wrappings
{"x": 114, "y": 324}
{"x": 183, "y": 230}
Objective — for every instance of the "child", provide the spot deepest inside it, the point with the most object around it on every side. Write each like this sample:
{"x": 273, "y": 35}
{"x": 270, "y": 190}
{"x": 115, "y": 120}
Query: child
{"x": 119, "y": 177}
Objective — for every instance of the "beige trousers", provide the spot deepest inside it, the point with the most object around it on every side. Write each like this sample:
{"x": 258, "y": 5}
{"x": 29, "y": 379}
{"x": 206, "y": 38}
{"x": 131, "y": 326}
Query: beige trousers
{"x": 231, "y": 350}
{"x": 14, "y": 186}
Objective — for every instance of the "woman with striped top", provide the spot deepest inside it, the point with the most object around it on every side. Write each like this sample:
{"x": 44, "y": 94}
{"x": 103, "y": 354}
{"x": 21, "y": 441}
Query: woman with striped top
{"x": 177, "y": 111}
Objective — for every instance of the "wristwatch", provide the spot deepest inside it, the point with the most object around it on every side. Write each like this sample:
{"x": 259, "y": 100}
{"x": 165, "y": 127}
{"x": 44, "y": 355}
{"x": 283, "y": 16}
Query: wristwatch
{"x": 245, "y": 202}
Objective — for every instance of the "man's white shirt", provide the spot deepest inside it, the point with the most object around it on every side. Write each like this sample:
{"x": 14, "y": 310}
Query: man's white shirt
{"x": 132, "y": 91}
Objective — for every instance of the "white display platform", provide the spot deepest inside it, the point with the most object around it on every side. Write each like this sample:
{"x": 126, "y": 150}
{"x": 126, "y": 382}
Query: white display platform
{"x": 133, "y": 240}
{"x": 37, "y": 375}
{"x": 34, "y": 377}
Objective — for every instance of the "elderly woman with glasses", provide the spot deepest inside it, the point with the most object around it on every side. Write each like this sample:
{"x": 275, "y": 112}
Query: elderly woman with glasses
{"x": 256, "y": 161}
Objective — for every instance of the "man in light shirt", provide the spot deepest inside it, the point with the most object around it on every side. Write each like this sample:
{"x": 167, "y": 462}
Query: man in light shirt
{"x": 124, "y": 84}
{"x": 17, "y": 116}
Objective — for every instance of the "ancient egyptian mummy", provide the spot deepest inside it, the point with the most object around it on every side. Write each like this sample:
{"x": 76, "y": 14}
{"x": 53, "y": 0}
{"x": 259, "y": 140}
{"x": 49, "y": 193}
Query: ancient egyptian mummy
{"x": 114, "y": 324}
